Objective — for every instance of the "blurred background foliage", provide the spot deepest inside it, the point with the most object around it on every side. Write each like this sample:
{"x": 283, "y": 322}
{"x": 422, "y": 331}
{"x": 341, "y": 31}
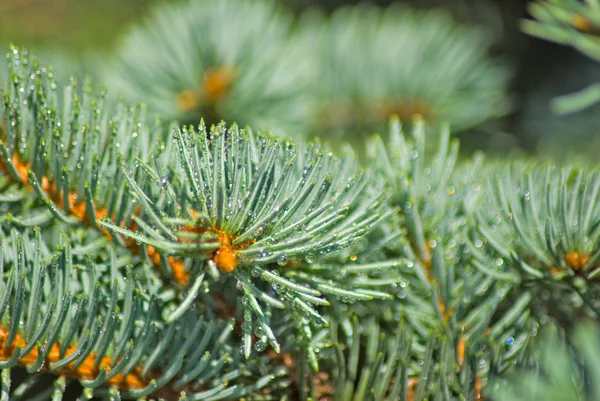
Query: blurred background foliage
{"x": 81, "y": 32}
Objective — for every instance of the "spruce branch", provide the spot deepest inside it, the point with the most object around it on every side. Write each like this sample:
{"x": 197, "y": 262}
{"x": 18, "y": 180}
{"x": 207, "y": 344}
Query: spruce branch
{"x": 444, "y": 288}
{"x": 186, "y": 62}
{"x": 65, "y": 152}
{"x": 74, "y": 318}
{"x": 422, "y": 195}
{"x": 542, "y": 224}
{"x": 569, "y": 22}
{"x": 64, "y": 66}
{"x": 362, "y": 361}
{"x": 68, "y": 163}
{"x": 565, "y": 369}
{"x": 427, "y": 64}
{"x": 573, "y": 23}
{"x": 70, "y": 152}
{"x": 77, "y": 194}
{"x": 254, "y": 206}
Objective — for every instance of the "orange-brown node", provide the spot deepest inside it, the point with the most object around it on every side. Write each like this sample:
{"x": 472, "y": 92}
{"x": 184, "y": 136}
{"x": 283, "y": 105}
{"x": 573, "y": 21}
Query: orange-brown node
{"x": 87, "y": 370}
{"x": 323, "y": 386}
{"x": 180, "y": 275}
{"x": 225, "y": 257}
{"x": 576, "y": 261}
{"x": 442, "y": 307}
{"x": 217, "y": 82}
{"x": 412, "y": 386}
{"x": 460, "y": 351}
{"x": 287, "y": 359}
{"x": 187, "y": 100}
{"x": 292, "y": 264}
{"x": 21, "y": 168}
{"x": 583, "y": 24}
{"x": 446, "y": 312}
{"x": 580, "y": 23}
{"x": 478, "y": 388}
{"x": 77, "y": 207}
{"x": 405, "y": 109}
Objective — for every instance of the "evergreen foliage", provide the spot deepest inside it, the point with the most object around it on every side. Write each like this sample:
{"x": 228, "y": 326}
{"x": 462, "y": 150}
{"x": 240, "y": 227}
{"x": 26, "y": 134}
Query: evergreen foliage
{"x": 574, "y": 23}
{"x": 247, "y": 203}
{"x": 373, "y": 63}
{"x": 566, "y": 370}
{"x": 215, "y": 60}
{"x": 63, "y": 64}
{"x": 186, "y": 62}
{"x": 215, "y": 262}
{"x": 86, "y": 307}
{"x": 258, "y": 207}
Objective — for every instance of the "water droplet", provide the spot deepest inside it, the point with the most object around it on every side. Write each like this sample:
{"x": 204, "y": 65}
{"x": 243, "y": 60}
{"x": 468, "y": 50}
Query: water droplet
{"x": 282, "y": 260}
{"x": 353, "y": 258}
{"x": 534, "y": 329}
